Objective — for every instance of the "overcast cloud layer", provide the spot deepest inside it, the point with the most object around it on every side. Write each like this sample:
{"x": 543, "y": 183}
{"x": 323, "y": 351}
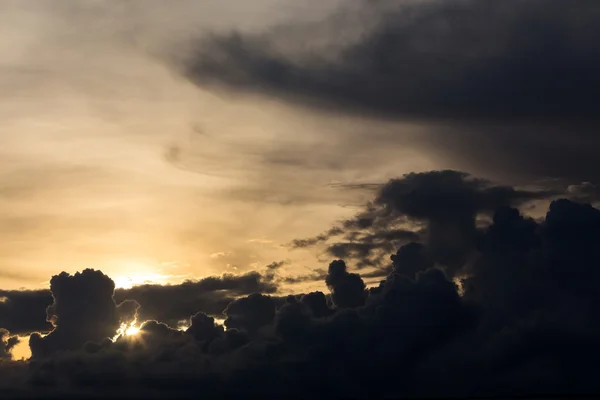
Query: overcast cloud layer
{"x": 494, "y": 80}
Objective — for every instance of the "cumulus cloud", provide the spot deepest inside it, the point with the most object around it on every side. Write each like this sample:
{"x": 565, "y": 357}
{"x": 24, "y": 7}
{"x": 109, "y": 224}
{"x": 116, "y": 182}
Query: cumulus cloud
{"x": 83, "y": 310}
{"x": 24, "y": 312}
{"x": 347, "y": 289}
{"x": 439, "y": 207}
{"x": 250, "y": 313}
{"x": 211, "y": 295}
{"x": 520, "y": 319}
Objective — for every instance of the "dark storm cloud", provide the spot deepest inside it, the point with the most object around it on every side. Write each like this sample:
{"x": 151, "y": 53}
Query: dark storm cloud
{"x": 442, "y": 206}
{"x": 250, "y": 313}
{"x": 411, "y": 259}
{"x": 83, "y": 310}
{"x": 369, "y": 247}
{"x": 203, "y": 328}
{"x": 24, "y": 311}
{"x": 174, "y": 303}
{"x": 529, "y": 59}
{"x": 503, "y": 78}
{"x": 347, "y": 289}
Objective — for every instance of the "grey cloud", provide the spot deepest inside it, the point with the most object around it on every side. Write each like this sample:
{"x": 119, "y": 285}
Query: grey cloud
{"x": 83, "y": 310}
{"x": 437, "y": 59}
{"x": 491, "y": 79}
{"x": 442, "y": 206}
{"x": 173, "y": 303}
{"x": 24, "y": 312}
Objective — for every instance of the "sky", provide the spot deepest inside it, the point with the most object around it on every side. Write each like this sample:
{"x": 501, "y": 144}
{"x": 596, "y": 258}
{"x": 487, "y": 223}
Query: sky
{"x": 114, "y": 160}
{"x": 165, "y": 160}
{"x": 123, "y": 150}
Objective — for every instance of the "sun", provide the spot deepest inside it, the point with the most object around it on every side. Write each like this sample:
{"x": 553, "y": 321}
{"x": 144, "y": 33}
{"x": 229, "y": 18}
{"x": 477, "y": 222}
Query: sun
{"x": 138, "y": 278}
{"x": 132, "y": 331}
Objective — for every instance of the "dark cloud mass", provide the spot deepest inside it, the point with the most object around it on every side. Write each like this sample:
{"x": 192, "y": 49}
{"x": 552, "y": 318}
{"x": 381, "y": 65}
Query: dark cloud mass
{"x": 211, "y": 295}
{"x": 83, "y": 310}
{"x": 24, "y": 312}
{"x": 517, "y": 317}
{"x": 498, "y": 78}
{"x": 436, "y": 59}
{"x": 347, "y": 289}
{"x": 442, "y": 207}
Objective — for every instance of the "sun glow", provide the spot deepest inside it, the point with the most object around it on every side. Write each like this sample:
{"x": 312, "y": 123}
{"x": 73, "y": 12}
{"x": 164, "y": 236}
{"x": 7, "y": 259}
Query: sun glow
{"x": 127, "y": 330}
{"x": 132, "y": 331}
{"x": 129, "y": 281}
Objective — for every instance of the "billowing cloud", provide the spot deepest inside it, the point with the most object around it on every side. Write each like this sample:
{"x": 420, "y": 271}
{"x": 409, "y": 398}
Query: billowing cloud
{"x": 24, "y": 312}
{"x": 347, "y": 289}
{"x": 523, "y": 310}
{"x": 211, "y": 295}
{"x": 83, "y": 310}
{"x": 440, "y": 208}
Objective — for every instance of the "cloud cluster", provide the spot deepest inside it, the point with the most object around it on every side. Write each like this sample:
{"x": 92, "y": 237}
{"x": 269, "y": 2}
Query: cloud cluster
{"x": 518, "y": 317}
{"x": 438, "y": 207}
{"x": 174, "y": 303}
{"x": 83, "y": 310}
{"x": 24, "y": 312}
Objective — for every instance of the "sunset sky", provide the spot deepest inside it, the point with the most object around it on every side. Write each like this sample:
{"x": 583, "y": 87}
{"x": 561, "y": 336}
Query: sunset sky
{"x": 215, "y": 156}
{"x": 113, "y": 157}
{"x": 113, "y": 160}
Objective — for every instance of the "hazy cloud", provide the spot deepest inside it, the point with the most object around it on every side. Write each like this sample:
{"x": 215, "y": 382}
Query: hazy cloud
{"x": 491, "y": 79}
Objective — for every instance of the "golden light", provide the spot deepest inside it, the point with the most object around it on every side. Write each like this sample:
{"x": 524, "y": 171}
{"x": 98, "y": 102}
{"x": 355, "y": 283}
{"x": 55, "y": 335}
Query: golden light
{"x": 128, "y": 281}
{"x": 183, "y": 325}
{"x": 132, "y": 331}
{"x": 128, "y": 330}
{"x": 21, "y": 351}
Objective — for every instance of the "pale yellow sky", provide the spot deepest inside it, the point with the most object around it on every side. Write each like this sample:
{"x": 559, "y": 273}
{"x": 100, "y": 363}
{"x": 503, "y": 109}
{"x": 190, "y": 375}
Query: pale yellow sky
{"x": 112, "y": 160}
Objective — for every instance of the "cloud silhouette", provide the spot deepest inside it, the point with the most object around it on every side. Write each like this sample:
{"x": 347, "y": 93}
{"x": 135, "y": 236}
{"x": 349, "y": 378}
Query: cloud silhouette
{"x": 347, "y": 289}
{"x": 441, "y": 206}
{"x": 520, "y": 319}
{"x": 24, "y": 312}
{"x": 173, "y": 303}
{"x": 83, "y": 310}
